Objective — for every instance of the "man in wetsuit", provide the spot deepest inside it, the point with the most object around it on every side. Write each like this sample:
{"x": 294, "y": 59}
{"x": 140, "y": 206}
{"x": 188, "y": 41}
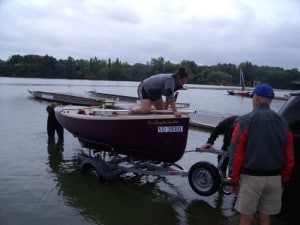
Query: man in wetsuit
{"x": 225, "y": 127}
{"x": 52, "y": 123}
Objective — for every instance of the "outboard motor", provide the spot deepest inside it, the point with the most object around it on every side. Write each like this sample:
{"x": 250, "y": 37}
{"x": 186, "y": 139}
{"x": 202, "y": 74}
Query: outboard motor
{"x": 291, "y": 195}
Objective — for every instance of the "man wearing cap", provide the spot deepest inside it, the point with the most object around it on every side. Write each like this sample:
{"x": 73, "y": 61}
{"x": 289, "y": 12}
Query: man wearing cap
{"x": 260, "y": 159}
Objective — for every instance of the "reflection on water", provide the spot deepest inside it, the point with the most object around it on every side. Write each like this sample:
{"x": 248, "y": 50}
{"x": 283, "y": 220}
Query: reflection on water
{"x": 55, "y": 150}
{"x": 131, "y": 199}
{"x": 199, "y": 211}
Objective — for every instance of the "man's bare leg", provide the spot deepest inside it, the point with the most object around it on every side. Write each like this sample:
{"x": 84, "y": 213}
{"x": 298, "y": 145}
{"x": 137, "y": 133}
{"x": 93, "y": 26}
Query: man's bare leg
{"x": 246, "y": 219}
{"x": 264, "y": 219}
{"x": 143, "y": 108}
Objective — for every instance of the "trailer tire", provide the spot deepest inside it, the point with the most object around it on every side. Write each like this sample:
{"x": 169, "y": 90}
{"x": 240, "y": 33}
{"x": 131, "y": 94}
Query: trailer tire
{"x": 204, "y": 178}
{"x": 90, "y": 171}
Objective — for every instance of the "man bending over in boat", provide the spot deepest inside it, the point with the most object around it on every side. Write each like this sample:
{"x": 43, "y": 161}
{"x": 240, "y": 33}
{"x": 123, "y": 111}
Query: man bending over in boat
{"x": 151, "y": 90}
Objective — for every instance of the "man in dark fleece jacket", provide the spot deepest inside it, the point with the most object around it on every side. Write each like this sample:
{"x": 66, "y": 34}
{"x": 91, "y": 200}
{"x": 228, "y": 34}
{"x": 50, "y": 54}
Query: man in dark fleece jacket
{"x": 261, "y": 159}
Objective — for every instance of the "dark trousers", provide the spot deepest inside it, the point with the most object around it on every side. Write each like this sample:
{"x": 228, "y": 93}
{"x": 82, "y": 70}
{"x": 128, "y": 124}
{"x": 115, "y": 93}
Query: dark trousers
{"x": 224, "y": 163}
{"x": 54, "y": 126}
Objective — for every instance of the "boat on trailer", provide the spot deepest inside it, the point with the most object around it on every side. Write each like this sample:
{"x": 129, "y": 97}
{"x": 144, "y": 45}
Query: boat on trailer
{"x": 156, "y": 136}
{"x": 116, "y": 142}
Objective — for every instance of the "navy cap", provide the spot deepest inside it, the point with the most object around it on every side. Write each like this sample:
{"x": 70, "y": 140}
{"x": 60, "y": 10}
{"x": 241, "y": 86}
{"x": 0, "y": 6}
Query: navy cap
{"x": 263, "y": 90}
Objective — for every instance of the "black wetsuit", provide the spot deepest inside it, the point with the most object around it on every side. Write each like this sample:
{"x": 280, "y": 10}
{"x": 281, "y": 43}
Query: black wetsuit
{"x": 53, "y": 125}
{"x": 225, "y": 127}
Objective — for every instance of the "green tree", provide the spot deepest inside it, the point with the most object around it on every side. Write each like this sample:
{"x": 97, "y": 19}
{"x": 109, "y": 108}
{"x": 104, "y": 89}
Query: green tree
{"x": 70, "y": 68}
{"x": 157, "y": 65}
{"x": 220, "y": 74}
{"x": 219, "y": 78}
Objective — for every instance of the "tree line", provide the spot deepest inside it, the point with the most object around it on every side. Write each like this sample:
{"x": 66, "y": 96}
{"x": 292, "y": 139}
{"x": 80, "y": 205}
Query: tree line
{"x": 36, "y": 66}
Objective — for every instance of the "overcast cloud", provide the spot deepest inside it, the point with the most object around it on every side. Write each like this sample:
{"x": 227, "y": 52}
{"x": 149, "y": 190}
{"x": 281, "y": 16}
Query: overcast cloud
{"x": 264, "y": 32}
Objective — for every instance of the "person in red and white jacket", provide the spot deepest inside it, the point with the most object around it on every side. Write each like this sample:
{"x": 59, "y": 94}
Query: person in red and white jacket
{"x": 261, "y": 159}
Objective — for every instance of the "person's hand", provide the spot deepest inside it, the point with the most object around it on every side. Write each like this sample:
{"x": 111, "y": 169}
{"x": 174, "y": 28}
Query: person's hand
{"x": 234, "y": 189}
{"x": 177, "y": 114}
{"x": 207, "y": 146}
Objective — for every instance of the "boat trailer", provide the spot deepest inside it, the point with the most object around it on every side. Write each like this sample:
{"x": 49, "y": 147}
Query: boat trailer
{"x": 204, "y": 177}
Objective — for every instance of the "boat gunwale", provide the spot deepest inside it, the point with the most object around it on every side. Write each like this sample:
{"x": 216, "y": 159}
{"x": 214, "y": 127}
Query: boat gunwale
{"x": 73, "y": 113}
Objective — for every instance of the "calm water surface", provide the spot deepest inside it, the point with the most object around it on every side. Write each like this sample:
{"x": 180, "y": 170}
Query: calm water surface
{"x": 40, "y": 182}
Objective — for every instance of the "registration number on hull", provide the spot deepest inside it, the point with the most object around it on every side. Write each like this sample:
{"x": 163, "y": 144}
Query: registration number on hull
{"x": 170, "y": 129}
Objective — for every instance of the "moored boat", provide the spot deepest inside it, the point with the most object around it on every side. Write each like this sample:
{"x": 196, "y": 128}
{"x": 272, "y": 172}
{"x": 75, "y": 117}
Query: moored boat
{"x": 158, "y": 136}
{"x": 70, "y": 98}
{"x": 113, "y": 97}
{"x": 243, "y": 92}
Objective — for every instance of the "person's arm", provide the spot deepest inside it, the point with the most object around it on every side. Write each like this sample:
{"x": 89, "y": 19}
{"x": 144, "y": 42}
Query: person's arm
{"x": 213, "y": 136}
{"x": 289, "y": 158}
{"x": 218, "y": 130}
{"x": 49, "y": 109}
{"x": 237, "y": 153}
{"x": 167, "y": 103}
{"x": 169, "y": 86}
{"x": 174, "y": 109}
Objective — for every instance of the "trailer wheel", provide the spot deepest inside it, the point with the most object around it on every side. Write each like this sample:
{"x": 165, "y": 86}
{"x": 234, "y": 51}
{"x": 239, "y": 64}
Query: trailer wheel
{"x": 204, "y": 178}
{"x": 90, "y": 171}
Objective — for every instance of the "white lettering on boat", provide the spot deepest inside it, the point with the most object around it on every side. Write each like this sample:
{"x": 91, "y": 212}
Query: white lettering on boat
{"x": 170, "y": 129}
{"x": 164, "y": 122}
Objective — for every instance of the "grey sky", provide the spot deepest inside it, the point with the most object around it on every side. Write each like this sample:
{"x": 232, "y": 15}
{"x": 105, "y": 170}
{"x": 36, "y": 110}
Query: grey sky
{"x": 264, "y": 32}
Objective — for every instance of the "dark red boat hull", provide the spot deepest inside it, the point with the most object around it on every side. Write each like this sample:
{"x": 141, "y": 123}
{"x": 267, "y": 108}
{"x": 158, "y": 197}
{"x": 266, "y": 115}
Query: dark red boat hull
{"x": 162, "y": 139}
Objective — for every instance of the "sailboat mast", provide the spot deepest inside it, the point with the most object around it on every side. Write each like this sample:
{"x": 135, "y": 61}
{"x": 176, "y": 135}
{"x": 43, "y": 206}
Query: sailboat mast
{"x": 242, "y": 82}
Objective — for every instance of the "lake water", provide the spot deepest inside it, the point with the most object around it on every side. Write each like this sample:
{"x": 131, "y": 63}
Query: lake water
{"x": 40, "y": 182}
